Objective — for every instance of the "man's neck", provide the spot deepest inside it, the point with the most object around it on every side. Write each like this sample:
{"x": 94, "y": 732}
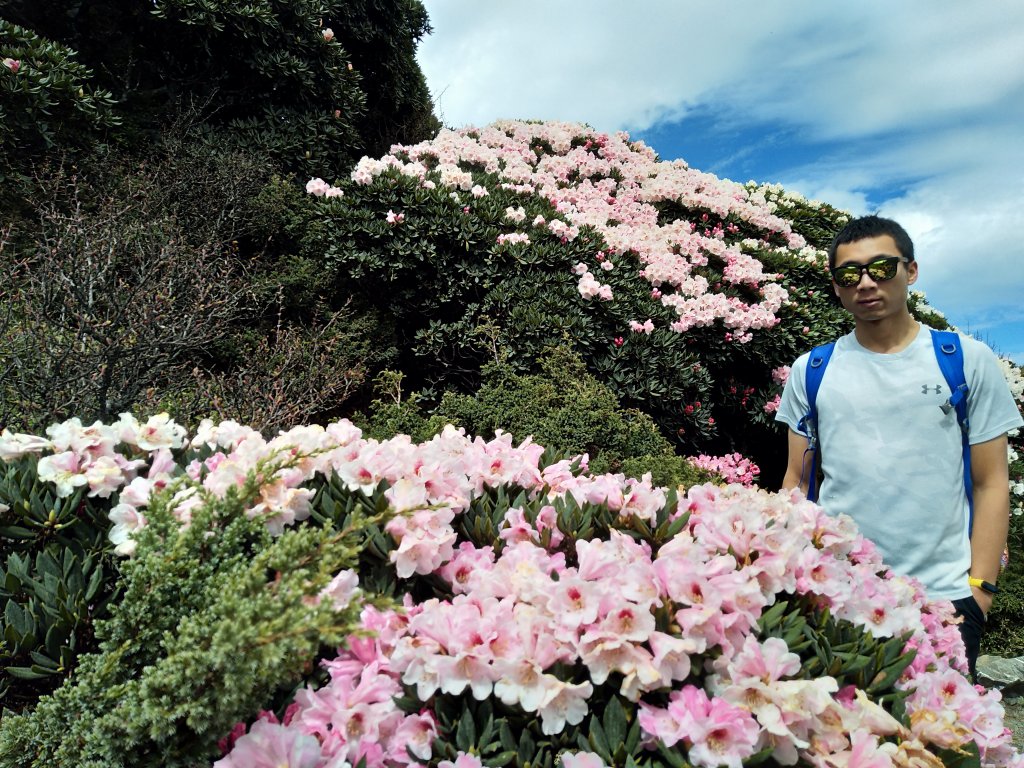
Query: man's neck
{"x": 889, "y": 336}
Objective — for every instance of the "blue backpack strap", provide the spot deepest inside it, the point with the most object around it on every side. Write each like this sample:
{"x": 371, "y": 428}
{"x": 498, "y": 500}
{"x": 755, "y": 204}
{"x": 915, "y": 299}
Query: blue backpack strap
{"x": 816, "y": 365}
{"x": 949, "y": 354}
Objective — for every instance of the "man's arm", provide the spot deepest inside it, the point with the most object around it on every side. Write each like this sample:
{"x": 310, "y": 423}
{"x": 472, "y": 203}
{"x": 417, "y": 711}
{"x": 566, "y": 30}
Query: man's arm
{"x": 796, "y": 474}
{"x": 991, "y": 478}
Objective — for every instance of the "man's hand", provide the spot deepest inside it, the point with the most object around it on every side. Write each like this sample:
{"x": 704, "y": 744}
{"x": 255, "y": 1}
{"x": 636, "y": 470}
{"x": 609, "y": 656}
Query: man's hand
{"x": 983, "y": 598}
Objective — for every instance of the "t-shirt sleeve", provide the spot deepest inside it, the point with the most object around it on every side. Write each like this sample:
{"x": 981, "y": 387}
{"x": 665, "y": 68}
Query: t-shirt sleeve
{"x": 793, "y": 405}
{"x": 990, "y": 405}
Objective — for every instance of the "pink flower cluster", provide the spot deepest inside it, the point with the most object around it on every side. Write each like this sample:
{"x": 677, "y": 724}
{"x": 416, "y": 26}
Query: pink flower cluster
{"x": 590, "y": 287}
{"x": 614, "y": 185}
{"x": 647, "y": 326}
{"x": 521, "y": 617}
{"x": 353, "y": 717}
{"x": 127, "y": 457}
{"x": 543, "y": 631}
{"x": 732, "y": 467}
{"x": 320, "y": 188}
{"x": 514, "y": 238}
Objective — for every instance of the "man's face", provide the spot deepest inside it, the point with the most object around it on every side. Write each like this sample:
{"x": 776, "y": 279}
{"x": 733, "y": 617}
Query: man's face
{"x": 870, "y": 300}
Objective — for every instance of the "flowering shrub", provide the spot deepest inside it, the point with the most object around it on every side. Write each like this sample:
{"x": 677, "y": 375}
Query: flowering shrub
{"x": 669, "y": 282}
{"x": 548, "y": 616}
{"x": 1015, "y": 380}
{"x": 733, "y": 467}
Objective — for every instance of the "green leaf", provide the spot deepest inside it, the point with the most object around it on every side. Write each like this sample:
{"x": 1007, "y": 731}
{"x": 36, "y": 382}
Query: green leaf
{"x": 969, "y": 757}
{"x": 527, "y": 748}
{"x": 488, "y": 731}
{"x": 770, "y": 618}
{"x": 614, "y": 722}
{"x": 672, "y": 756}
{"x": 24, "y": 673}
{"x": 599, "y": 741}
{"x": 465, "y": 734}
{"x": 508, "y": 742}
{"x": 888, "y": 676}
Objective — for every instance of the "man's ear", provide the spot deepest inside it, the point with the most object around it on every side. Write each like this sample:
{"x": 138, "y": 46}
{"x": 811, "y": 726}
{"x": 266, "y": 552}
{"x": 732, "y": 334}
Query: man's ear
{"x": 912, "y": 272}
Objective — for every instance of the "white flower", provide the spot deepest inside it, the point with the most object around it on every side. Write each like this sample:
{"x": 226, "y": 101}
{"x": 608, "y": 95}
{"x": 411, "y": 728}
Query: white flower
{"x": 14, "y": 445}
{"x": 317, "y": 187}
{"x": 62, "y": 470}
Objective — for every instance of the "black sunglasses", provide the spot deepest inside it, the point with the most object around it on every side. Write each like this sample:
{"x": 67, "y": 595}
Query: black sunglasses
{"x": 879, "y": 269}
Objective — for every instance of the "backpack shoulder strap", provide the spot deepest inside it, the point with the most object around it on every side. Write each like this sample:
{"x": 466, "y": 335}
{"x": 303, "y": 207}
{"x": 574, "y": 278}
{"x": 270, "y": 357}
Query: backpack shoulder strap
{"x": 816, "y": 364}
{"x": 949, "y": 354}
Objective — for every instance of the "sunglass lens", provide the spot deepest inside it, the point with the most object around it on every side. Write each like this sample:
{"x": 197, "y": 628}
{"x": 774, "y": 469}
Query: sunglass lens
{"x": 847, "y": 276}
{"x": 883, "y": 269}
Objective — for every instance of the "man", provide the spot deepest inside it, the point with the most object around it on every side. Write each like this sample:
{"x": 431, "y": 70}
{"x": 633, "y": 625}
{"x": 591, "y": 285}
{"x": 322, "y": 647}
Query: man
{"x": 892, "y": 457}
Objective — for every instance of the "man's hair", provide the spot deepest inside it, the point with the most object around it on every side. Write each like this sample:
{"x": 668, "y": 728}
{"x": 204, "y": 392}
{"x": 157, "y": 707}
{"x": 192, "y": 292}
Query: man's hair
{"x": 871, "y": 226}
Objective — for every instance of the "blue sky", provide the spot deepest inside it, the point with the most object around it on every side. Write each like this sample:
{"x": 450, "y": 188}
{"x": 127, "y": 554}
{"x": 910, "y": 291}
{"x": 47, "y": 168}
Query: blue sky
{"x": 914, "y": 110}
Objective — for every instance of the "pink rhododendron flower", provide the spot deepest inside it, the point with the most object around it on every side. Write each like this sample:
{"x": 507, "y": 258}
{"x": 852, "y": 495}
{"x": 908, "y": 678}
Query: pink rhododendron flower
{"x": 582, "y": 760}
{"x": 463, "y": 760}
{"x": 160, "y": 432}
{"x": 271, "y": 745}
{"x": 317, "y": 187}
{"x": 328, "y": 34}
{"x": 12, "y": 64}
{"x": 715, "y": 732}
{"x": 104, "y": 477}
{"x": 733, "y": 467}
{"x": 394, "y": 218}
{"x": 127, "y": 520}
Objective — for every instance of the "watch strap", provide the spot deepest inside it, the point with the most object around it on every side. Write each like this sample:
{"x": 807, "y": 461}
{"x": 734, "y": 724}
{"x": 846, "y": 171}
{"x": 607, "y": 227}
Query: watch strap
{"x": 987, "y": 586}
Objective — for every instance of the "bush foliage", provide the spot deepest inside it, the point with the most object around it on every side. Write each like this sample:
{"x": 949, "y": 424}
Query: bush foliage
{"x": 267, "y": 76}
{"x": 562, "y": 407}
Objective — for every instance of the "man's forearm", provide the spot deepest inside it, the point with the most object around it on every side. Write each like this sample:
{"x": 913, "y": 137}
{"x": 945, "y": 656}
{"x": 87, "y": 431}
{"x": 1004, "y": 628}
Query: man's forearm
{"x": 991, "y": 524}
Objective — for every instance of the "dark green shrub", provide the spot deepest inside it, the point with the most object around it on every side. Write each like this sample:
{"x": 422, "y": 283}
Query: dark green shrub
{"x": 111, "y": 294}
{"x": 263, "y": 74}
{"x": 48, "y": 100}
{"x": 1004, "y": 631}
{"x": 57, "y": 579}
{"x": 444, "y": 276}
{"x": 563, "y": 407}
{"x": 297, "y": 373}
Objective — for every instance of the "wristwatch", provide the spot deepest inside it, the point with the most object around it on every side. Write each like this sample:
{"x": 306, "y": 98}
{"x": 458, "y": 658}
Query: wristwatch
{"x": 987, "y": 586}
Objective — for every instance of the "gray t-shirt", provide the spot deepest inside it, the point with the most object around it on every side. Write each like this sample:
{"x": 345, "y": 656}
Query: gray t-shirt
{"x": 892, "y": 460}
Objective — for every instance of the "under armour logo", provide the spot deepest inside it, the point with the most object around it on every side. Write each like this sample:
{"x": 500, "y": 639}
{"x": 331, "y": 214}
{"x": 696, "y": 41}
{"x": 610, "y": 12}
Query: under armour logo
{"x": 925, "y": 388}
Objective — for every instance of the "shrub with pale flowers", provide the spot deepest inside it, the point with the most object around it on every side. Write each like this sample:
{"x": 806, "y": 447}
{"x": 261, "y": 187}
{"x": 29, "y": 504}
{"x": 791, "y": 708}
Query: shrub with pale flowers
{"x": 550, "y": 615}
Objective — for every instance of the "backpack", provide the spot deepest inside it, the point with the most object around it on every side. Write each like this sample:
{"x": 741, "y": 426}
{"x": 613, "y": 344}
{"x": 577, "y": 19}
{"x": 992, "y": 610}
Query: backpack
{"x": 948, "y": 354}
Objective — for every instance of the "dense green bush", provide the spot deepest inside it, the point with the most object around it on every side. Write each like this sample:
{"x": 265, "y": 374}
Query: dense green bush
{"x": 48, "y": 100}
{"x": 1004, "y": 631}
{"x": 562, "y": 407}
{"x": 266, "y": 75}
{"x": 57, "y": 579}
{"x": 121, "y": 282}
